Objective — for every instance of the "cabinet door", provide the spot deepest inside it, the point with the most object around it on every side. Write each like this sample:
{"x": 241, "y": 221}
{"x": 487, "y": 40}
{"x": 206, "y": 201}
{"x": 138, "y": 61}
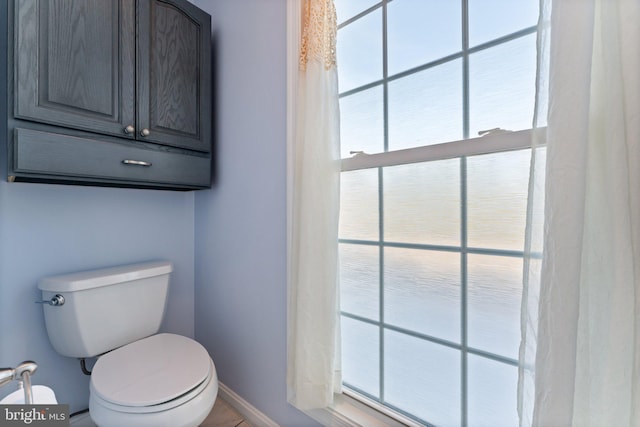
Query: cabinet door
{"x": 75, "y": 63}
{"x": 174, "y": 74}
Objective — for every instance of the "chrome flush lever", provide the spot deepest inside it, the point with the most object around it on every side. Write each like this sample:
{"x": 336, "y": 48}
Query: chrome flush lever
{"x": 56, "y": 301}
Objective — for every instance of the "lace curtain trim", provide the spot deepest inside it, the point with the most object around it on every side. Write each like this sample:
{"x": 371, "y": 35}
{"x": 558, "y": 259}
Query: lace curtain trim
{"x": 319, "y": 34}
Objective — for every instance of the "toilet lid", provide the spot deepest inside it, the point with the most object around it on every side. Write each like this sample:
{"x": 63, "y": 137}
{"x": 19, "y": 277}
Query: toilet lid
{"x": 151, "y": 371}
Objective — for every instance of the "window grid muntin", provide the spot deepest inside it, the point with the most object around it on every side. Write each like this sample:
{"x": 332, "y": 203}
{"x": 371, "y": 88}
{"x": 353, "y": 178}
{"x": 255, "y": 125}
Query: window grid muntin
{"x": 458, "y": 55}
{"x": 463, "y": 272}
{"x": 464, "y": 250}
{"x": 437, "y": 248}
{"x": 431, "y": 338}
{"x": 381, "y": 201}
{"x": 463, "y": 347}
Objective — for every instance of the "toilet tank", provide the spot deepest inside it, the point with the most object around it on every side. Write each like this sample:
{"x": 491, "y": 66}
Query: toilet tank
{"x": 105, "y": 309}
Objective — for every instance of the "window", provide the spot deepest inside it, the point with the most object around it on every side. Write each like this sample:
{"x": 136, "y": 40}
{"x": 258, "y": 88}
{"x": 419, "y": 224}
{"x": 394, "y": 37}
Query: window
{"x": 433, "y": 211}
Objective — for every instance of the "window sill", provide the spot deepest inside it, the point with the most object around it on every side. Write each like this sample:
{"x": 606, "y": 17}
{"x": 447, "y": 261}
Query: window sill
{"x": 348, "y": 411}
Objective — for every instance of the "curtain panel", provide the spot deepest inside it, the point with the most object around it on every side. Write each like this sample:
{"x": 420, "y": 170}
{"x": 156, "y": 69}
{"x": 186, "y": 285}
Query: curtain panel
{"x": 581, "y": 319}
{"x": 313, "y": 371}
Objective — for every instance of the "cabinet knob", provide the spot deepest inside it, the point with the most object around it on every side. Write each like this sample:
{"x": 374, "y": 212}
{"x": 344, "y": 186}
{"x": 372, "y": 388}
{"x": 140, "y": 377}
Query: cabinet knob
{"x": 145, "y": 132}
{"x": 129, "y": 129}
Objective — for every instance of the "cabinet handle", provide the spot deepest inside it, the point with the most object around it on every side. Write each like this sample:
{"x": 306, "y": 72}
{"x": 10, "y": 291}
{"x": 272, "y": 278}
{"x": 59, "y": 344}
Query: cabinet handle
{"x": 136, "y": 163}
{"x": 145, "y": 132}
{"x": 129, "y": 129}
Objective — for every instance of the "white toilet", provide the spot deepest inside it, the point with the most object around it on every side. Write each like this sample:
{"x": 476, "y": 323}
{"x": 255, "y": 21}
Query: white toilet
{"x": 141, "y": 378}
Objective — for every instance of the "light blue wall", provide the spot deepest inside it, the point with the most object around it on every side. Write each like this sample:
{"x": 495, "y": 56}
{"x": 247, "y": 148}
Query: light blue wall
{"x": 237, "y": 229}
{"x": 52, "y": 229}
{"x": 241, "y": 229}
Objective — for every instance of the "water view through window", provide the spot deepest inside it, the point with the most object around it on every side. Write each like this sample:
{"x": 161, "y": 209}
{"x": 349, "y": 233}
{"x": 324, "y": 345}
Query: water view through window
{"x": 431, "y": 253}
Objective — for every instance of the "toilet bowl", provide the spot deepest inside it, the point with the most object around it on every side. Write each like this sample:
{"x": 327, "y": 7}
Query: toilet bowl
{"x": 141, "y": 378}
{"x": 126, "y": 389}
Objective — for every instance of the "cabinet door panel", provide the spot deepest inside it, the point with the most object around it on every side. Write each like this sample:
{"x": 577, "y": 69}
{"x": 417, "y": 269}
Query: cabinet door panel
{"x": 74, "y": 63}
{"x": 174, "y": 68}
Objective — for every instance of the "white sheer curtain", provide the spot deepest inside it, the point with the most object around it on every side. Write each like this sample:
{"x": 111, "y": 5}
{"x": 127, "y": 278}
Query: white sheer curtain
{"x": 585, "y": 315}
{"x": 313, "y": 371}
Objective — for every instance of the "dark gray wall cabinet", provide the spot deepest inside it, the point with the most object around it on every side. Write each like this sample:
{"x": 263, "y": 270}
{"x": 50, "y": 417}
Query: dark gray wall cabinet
{"x": 109, "y": 92}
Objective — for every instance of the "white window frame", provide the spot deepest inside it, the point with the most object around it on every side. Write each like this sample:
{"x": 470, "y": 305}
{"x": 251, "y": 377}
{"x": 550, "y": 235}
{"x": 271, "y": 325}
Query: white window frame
{"x": 491, "y": 143}
{"x": 351, "y": 409}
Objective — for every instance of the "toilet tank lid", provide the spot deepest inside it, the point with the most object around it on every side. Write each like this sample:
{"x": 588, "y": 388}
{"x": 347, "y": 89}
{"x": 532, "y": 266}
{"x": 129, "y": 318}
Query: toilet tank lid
{"x": 104, "y": 277}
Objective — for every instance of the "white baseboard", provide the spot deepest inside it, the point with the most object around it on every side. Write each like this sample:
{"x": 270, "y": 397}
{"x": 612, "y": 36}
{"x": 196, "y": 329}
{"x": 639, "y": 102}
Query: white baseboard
{"x": 247, "y": 410}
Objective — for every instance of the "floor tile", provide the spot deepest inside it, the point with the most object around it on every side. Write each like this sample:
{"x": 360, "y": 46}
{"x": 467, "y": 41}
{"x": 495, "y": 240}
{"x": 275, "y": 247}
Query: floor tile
{"x": 223, "y": 415}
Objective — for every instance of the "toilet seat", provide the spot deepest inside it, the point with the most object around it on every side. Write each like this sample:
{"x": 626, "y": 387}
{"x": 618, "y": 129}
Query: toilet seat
{"x": 180, "y": 400}
{"x": 153, "y": 374}
{"x": 173, "y": 371}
